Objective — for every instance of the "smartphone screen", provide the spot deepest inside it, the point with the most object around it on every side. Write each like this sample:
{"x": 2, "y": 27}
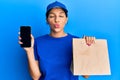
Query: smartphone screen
{"x": 25, "y": 32}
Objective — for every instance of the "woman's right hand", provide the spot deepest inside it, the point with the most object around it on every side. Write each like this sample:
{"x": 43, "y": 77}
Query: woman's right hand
{"x": 28, "y": 49}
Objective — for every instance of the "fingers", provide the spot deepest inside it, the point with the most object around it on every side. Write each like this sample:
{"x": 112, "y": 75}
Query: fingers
{"x": 85, "y": 76}
{"x": 19, "y": 40}
{"x": 19, "y": 33}
{"x": 89, "y": 40}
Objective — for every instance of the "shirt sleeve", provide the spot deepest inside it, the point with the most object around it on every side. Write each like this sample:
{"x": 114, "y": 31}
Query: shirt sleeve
{"x": 36, "y": 51}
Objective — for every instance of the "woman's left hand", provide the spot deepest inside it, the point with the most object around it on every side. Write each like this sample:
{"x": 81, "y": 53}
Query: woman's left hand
{"x": 89, "y": 40}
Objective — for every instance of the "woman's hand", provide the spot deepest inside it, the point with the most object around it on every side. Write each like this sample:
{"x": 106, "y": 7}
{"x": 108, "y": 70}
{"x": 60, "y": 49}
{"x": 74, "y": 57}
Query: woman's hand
{"x": 85, "y": 76}
{"x": 89, "y": 40}
{"x": 27, "y": 49}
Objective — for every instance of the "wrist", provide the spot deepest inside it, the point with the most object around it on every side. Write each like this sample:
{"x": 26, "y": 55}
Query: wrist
{"x": 29, "y": 50}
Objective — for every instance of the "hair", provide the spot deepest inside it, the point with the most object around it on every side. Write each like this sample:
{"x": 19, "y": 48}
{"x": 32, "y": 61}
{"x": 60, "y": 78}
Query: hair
{"x": 66, "y": 12}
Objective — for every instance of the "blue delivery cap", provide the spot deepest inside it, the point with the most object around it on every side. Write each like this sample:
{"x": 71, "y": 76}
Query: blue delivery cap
{"x": 56, "y": 4}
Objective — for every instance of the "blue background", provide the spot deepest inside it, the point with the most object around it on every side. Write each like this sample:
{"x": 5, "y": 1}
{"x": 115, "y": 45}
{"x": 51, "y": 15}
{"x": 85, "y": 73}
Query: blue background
{"x": 99, "y": 18}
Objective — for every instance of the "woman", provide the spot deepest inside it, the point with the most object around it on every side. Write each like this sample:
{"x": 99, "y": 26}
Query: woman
{"x": 50, "y": 55}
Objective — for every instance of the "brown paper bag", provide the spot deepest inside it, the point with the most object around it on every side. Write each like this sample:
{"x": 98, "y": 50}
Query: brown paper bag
{"x": 90, "y": 60}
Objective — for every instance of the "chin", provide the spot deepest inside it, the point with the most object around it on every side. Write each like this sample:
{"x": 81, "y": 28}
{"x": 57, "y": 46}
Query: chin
{"x": 57, "y": 30}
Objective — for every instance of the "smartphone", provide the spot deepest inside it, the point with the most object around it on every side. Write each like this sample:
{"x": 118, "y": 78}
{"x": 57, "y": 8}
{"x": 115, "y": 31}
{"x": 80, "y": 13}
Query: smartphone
{"x": 25, "y": 32}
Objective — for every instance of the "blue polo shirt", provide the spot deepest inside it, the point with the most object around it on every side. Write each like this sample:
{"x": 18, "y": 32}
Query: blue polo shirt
{"x": 54, "y": 56}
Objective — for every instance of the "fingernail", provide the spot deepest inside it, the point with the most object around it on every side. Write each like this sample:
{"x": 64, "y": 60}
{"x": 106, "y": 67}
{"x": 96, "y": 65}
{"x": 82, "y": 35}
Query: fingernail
{"x": 88, "y": 44}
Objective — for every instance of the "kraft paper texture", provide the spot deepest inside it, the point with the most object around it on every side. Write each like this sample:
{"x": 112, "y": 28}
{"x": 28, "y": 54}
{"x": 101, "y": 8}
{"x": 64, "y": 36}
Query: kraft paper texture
{"x": 90, "y": 60}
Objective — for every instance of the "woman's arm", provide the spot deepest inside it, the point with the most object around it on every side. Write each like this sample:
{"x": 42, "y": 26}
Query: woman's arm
{"x": 33, "y": 64}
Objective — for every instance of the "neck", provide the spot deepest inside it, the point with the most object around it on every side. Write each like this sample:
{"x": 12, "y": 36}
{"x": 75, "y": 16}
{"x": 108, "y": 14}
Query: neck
{"x": 57, "y": 35}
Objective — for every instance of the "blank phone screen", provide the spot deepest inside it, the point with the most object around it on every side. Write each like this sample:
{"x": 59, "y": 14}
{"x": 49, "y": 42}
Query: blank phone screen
{"x": 25, "y": 32}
